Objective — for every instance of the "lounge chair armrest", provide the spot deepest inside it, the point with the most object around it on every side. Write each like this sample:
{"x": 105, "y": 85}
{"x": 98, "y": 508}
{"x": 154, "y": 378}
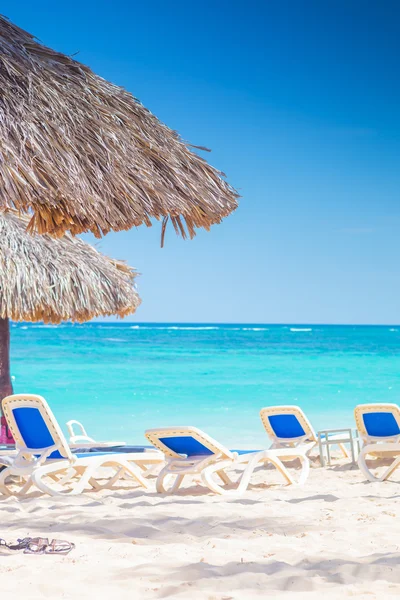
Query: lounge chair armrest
{"x": 81, "y": 436}
{"x": 39, "y": 456}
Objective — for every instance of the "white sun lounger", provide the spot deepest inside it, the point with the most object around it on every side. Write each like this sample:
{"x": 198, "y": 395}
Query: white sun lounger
{"x": 288, "y": 427}
{"x": 379, "y": 428}
{"x": 82, "y": 439}
{"x": 82, "y": 442}
{"x": 190, "y": 451}
{"x": 45, "y": 460}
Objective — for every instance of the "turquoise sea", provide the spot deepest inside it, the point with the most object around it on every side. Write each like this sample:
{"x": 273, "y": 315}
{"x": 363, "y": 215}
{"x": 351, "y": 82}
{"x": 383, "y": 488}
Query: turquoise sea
{"x": 121, "y": 378}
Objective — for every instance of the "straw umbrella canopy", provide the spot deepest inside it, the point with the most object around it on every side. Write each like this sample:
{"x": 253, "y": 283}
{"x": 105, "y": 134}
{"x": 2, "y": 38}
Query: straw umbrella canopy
{"x": 85, "y": 155}
{"x": 53, "y": 280}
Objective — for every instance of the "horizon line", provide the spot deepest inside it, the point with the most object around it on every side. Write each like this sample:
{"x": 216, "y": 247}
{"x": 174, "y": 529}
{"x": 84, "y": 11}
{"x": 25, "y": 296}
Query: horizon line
{"x": 213, "y": 323}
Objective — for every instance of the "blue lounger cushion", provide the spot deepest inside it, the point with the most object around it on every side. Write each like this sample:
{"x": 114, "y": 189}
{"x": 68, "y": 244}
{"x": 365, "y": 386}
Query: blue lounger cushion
{"x": 381, "y": 424}
{"x": 34, "y": 430}
{"x": 286, "y": 426}
{"x": 36, "y": 434}
{"x": 189, "y": 446}
{"x": 186, "y": 445}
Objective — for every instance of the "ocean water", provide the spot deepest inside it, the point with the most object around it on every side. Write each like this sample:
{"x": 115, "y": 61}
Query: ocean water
{"x": 121, "y": 378}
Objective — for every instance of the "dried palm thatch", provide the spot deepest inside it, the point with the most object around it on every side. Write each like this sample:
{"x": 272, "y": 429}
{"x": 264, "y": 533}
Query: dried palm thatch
{"x": 53, "y": 280}
{"x": 84, "y": 154}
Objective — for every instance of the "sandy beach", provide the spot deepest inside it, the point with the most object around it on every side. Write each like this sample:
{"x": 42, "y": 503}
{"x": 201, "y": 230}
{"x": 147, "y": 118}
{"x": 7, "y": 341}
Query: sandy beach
{"x": 217, "y": 305}
{"x": 334, "y": 536}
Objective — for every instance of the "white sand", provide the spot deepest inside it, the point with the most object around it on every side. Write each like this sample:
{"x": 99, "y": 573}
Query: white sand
{"x": 336, "y": 537}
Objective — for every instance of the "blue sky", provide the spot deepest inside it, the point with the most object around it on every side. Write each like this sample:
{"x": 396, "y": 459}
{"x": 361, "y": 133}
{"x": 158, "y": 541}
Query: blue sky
{"x": 299, "y": 101}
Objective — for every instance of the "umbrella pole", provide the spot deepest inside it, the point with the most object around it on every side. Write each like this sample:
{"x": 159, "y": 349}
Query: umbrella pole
{"x": 5, "y": 380}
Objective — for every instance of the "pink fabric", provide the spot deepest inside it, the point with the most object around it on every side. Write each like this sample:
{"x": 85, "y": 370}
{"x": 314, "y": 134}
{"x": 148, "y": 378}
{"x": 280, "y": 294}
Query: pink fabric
{"x": 5, "y": 434}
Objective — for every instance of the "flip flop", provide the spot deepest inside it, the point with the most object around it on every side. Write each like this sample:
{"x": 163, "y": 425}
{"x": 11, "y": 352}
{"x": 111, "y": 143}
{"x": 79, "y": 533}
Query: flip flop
{"x": 39, "y": 546}
{"x": 59, "y": 547}
{"x": 20, "y": 545}
{"x": 36, "y": 545}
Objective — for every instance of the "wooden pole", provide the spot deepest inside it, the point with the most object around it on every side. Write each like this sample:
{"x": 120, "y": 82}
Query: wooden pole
{"x": 6, "y": 387}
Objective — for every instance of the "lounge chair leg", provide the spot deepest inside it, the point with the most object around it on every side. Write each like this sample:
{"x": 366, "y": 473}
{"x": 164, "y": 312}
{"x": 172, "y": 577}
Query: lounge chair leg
{"x": 124, "y": 469}
{"x": 70, "y": 473}
{"x": 119, "y": 474}
{"x": 96, "y": 487}
{"x": 4, "y": 489}
{"x": 277, "y": 463}
{"x": 207, "y": 478}
{"x": 247, "y": 473}
{"x": 368, "y": 473}
{"x": 395, "y": 464}
{"x": 160, "y": 481}
{"x": 208, "y": 481}
{"x": 135, "y": 472}
{"x": 177, "y": 483}
{"x": 245, "y": 478}
{"x": 84, "y": 472}
{"x": 225, "y": 478}
{"x": 282, "y": 470}
{"x": 362, "y": 465}
{"x": 163, "y": 475}
{"x": 25, "y": 487}
{"x": 344, "y": 450}
{"x": 305, "y": 469}
{"x": 150, "y": 470}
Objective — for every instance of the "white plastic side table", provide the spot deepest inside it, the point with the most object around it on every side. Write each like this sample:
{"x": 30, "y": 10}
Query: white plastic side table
{"x": 340, "y": 436}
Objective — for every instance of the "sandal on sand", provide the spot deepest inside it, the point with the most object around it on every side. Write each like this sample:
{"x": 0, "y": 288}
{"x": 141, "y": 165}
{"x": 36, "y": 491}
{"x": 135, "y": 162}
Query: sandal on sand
{"x": 39, "y": 546}
{"x": 59, "y": 547}
{"x": 20, "y": 545}
{"x": 36, "y": 546}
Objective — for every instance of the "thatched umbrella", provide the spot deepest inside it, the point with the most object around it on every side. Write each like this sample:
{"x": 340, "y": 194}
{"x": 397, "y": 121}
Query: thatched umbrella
{"x": 53, "y": 280}
{"x": 85, "y": 155}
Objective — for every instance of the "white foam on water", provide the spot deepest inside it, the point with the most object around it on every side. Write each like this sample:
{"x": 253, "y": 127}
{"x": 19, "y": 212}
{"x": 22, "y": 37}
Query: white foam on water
{"x": 174, "y": 328}
{"x": 42, "y": 326}
{"x": 295, "y": 329}
{"x": 199, "y": 328}
{"x": 192, "y": 328}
